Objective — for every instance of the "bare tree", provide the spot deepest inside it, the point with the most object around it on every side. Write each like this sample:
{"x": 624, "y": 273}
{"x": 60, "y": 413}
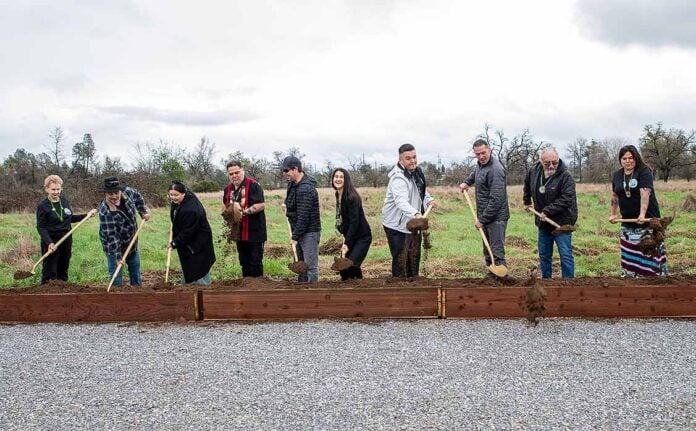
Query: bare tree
{"x": 200, "y": 161}
{"x": 576, "y": 155}
{"x": 151, "y": 158}
{"x": 55, "y": 148}
{"x": 667, "y": 150}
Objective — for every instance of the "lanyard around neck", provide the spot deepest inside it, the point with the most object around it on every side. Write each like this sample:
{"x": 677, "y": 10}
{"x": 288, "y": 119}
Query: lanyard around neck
{"x": 53, "y": 208}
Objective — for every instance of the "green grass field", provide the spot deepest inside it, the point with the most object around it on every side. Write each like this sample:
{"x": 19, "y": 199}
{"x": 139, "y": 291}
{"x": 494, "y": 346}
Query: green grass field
{"x": 457, "y": 250}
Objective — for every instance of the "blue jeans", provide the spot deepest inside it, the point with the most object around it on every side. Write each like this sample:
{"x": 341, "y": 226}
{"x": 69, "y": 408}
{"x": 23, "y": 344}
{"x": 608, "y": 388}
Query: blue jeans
{"x": 133, "y": 263}
{"x": 308, "y": 251}
{"x": 565, "y": 251}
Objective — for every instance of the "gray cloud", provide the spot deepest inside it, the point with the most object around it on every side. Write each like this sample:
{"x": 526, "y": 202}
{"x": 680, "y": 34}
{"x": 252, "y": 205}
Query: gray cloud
{"x": 180, "y": 117}
{"x": 652, "y": 23}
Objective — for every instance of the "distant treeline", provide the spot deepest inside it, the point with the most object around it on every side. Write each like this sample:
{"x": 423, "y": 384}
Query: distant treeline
{"x": 671, "y": 153}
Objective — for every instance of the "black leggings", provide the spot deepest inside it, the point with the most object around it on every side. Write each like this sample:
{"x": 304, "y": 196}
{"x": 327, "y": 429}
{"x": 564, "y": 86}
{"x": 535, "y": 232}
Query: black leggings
{"x": 357, "y": 256}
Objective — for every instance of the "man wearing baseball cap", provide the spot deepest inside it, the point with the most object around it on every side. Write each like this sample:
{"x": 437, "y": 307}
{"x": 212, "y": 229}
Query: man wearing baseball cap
{"x": 302, "y": 210}
{"x": 117, "y": 225}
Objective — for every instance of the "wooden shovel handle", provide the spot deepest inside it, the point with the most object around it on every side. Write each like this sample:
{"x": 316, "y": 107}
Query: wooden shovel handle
{"x": 547, "y": 220}
{"x": 627, "y": 220}
{"x": 130, "y": 246}
{"x": 427, "y": 211}
{"x": 169, "y": 253}
{"x": 483, "y": 235}
{"x": 60, "y": 241}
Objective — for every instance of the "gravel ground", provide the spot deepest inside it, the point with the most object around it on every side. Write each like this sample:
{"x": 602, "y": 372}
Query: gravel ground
{"x": 425, "y": 374}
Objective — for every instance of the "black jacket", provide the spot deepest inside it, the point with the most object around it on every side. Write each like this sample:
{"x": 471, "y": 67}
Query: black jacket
{"x": 491, "y": 191}
{"x": 193, "y": 238}
{"x": 354, "y": 225}
{"x": 558, "y": 202}
{"x": 48, "y": 223}
{"x": 302, "y": 207}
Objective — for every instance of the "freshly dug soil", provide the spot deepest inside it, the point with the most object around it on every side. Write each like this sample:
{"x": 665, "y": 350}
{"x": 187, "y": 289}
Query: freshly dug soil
{"x": 341, "y": 264}
{"x": 298, "y": 267}
{"x": 650, "y": 243}
{"x": 233, "y": 226}
{"x": 154, "y": 282}
{"x": 331, "y": 246}
{"x": 416, "y": 224}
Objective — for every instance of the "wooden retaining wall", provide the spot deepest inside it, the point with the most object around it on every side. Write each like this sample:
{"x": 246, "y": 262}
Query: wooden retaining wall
{"x": 392, "y": 302}
{"x": 98, "y": 307}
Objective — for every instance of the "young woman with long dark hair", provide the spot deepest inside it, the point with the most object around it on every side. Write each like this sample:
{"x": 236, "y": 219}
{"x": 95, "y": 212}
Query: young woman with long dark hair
{"x": 351, "y": 223}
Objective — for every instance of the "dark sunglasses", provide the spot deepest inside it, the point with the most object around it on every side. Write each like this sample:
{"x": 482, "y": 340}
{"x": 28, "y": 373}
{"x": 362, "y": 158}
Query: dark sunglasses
{"x": 285, "y": 171}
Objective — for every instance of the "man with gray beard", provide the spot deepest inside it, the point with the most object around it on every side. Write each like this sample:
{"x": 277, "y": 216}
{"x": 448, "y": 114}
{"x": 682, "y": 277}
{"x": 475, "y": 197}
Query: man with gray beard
{"x": 550, "y": 189}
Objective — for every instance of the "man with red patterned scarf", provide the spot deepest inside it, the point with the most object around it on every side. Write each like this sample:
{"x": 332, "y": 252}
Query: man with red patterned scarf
{"x": 249, "y": 195}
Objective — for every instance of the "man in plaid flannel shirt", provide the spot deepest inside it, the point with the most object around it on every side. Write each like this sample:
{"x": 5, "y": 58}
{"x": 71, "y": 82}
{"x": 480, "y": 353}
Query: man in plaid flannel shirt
{"x": 117, "y": 225}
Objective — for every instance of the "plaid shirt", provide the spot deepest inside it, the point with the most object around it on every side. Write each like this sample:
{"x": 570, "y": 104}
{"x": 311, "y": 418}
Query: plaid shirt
{"x": 116, "y": 228}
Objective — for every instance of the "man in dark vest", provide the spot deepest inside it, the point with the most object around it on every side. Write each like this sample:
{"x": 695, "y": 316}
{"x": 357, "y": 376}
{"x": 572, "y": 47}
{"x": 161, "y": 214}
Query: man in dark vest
{"x": 248, "y": 193}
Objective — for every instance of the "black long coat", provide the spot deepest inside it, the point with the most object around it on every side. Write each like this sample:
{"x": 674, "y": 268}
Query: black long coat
{"x": 193, "y": 238}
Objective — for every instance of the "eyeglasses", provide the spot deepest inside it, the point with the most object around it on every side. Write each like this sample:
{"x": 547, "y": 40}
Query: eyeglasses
{"x": 285, "y": 171}
{"x": 551, "y": 163}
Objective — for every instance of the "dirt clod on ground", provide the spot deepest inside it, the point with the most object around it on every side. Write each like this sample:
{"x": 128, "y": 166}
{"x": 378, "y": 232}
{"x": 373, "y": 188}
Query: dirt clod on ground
{"x": 331, "y": 246}
{"x": 689, "y": 203}
{"x": 276, "y": 251}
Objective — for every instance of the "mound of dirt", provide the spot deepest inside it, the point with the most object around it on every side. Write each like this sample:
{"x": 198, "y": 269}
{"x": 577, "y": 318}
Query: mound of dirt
{"x": 689, "y": 203}
{"x": 276, "y": 251}
{"x": 331, "y": 246}
{"x": 517, "y": 241}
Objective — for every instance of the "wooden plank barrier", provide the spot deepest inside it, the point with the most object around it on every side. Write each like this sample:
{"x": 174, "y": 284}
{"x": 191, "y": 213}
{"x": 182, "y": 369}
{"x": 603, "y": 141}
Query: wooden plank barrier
{"x": 98, "y": 307}
{"x": 626, "y": 301}
{"x": 321, "y": 304}
{"x": 586, "y": 301}
{"x": 673, "y": 300}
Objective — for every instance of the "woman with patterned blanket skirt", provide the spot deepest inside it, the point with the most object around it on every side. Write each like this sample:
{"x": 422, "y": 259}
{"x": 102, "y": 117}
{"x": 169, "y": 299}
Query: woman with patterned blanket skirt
{"x": 634, "y": 196}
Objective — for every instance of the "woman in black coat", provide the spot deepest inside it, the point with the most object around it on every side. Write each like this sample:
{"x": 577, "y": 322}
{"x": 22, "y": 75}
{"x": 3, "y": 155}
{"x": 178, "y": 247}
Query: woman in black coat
{"x": 351, "y": 222}
{"x": 192, "y": 236}
{"x": 53, "y": 220}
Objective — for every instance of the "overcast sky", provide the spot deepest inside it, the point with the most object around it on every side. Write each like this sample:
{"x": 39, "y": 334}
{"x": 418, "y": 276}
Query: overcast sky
{"x": 341, "y": 78}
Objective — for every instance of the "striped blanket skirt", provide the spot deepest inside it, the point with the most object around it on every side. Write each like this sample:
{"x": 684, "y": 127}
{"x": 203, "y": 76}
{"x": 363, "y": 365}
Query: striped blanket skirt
{"x": 635, "y": 263}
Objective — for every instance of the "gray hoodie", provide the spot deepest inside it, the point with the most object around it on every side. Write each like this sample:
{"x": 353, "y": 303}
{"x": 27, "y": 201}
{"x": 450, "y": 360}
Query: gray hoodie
{"x": 402, "y": 201}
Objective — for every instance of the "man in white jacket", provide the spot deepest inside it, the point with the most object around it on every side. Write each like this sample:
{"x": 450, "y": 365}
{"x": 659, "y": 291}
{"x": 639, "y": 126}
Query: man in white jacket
{"x": 406, "y": 199}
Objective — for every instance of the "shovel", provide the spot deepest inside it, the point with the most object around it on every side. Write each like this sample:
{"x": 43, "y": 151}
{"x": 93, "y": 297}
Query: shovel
{"x": 498, "y": 270}
{"x": 297, "y": 266}
{"x": 560, "y": 230}
{"x": 341, "y": 263}
{"x": 19, "y": 275}
{"x": 125, "y": 254}
{"x": 169, "y": 253}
